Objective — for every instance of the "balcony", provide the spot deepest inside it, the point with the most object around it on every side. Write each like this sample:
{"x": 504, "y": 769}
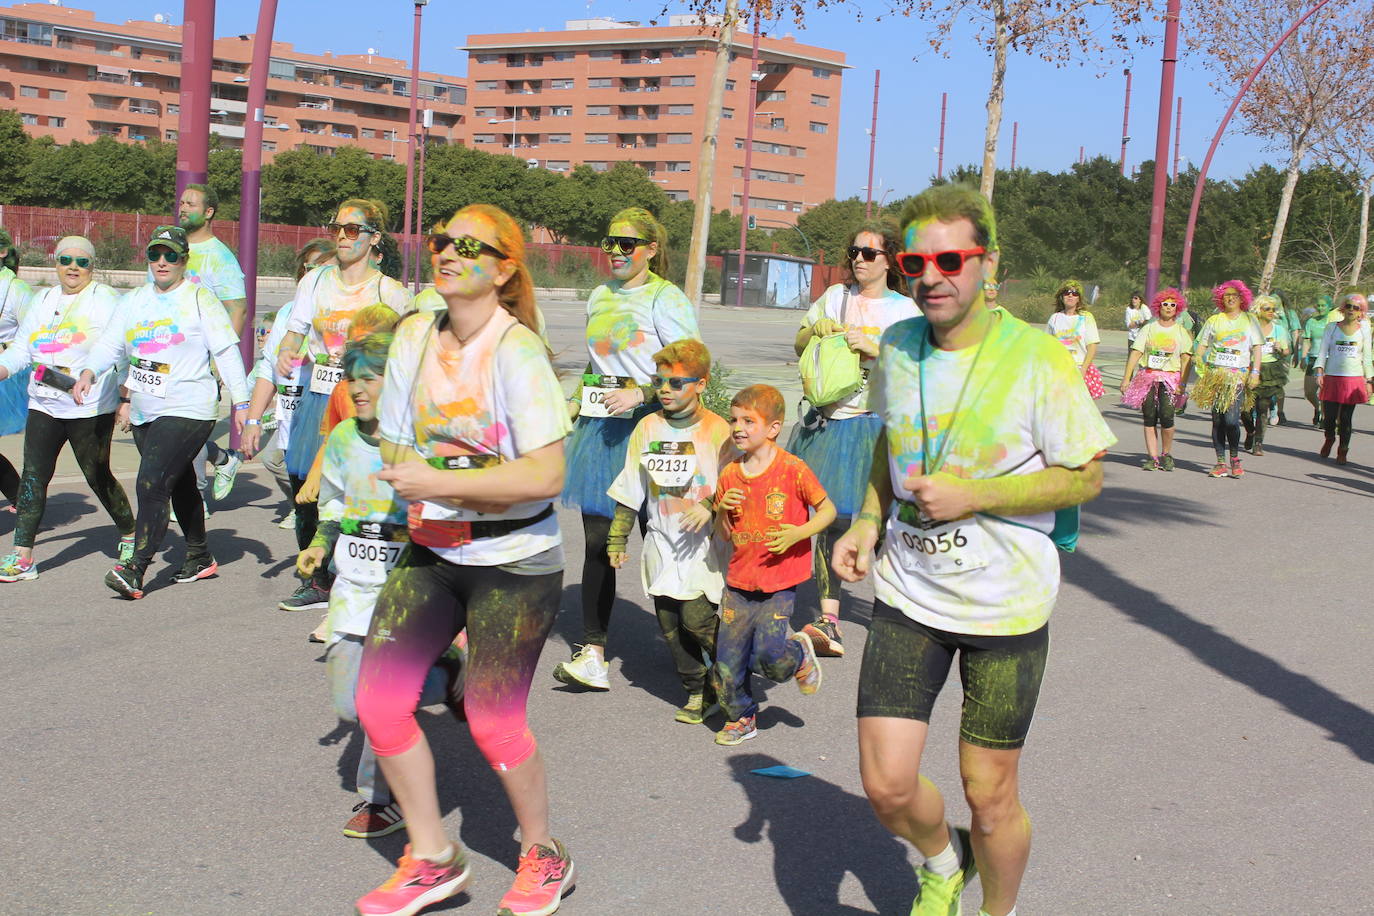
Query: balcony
{"x": 119, "y": 78}
{"x": 105, "y": 106}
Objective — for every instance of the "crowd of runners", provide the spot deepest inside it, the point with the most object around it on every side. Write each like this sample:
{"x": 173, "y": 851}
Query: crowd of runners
{"x": 422, "y": 443}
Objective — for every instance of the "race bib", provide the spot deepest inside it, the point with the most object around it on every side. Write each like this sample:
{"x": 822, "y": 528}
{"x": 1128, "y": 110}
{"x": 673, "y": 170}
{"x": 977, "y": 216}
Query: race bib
{"x": 1346, "y": 349}
{"x": 323, "y": 378}
{"x": 288, "y": 397}
{"x": 1226, "y": 358}
{"x": 927, "y": 547}
{"x": 1157, "y": 359}
{"x": 366, "y": 557}
{"x": 670, "y": 464}
{"x": 148, "y": 377}
{"x": 594, "y": 391}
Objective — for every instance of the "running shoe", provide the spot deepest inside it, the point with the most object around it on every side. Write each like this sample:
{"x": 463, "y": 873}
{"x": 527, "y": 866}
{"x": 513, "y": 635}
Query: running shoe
{"x": 809, "y": 671}
{"x": 1147, "y": 463}
{"x": 321, "y": 632}
{"x": 289, "y": 522}
{"x": 825, "y": 636}
{"x": 1168, "y": 462}
{"x": 416, "y": 884}
{"x": 1342, "y": 456}
{"x": 126, "y": 548}
{"x": 545, "y": 874}
{"x": 202, "y": 566}
{"x": 1218, "y": 470}
{"x": 127, "y": 579}
{"x": 737, "y": 732}
{"x": 1236, "y": 469}
{"x": 308, "y": 597}
{"x": 13, "y": 569}
{"x": 938, "y": 895}
{"x": 586, "y": 669}
{"x": 696, "y": 710}
{"x": 225, "y": 475}
{"x": 1325, "y": 450}
{"x": 371, "y": 820}
{"x": 1258, "y": 450}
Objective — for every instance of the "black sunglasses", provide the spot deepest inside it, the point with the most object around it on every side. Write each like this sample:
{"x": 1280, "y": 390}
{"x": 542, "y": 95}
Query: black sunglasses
{"x": 946, "y": 262}
{"x": 350, "y": 230}
{"x": 624, "y": 243}
{"x": 167, "y": 254}
{"x": 869, "y": 254}
{"x": 465, "y": 246}
{"x": 66, "y": 261}
{"x": 676, "y": 382}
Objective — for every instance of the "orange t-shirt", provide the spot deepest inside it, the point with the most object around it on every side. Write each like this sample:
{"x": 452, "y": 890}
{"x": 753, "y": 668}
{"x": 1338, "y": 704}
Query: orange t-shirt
{"x": 337, "y": 409}
{"x": 783, "y": 494}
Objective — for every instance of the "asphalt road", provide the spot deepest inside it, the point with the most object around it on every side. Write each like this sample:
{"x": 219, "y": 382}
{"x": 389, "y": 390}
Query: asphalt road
{"x": 1203, "y": 742}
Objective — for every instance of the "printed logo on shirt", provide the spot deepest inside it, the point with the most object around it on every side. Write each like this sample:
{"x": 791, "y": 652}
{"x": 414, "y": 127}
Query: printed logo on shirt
{"x": 156, "y": 336}
{"x": 774, "y": 504}
{"x": 55, "y": 340}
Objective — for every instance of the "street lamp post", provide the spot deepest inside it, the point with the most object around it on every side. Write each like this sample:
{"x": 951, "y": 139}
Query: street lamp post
{"x": 754, "y": 77}
{"x": 512, "y": 121}
{"x": 1161, "y": 182}
{"x": 408, "y": 242}
{"x": 872, "y": 146}
{"x": 426, "y": 122}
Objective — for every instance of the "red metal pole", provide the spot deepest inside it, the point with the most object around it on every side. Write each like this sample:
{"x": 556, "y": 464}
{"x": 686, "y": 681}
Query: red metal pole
{"x": 1161, "y": 183}
{"x": 1126, "y": 122}
{"x": 1178, "y": 134}
{"x": 872, "y": 146}
{"x": 1015, "y": 128}
{"x": 1216, "y": 141}
{"x": 940, "y": 154}
{"x": 250, "y": 196}
{"x": 406, "y": 247}
{"x": 193, "y": 119}
{"x": 748, "y": 163}
{"x": 420, "y": 209}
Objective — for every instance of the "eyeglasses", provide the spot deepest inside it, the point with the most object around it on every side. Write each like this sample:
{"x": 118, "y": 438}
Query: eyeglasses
{"x": 625, "y": 244}
{"x": 350, "y": 230}
{"x": 946, "y": 262}
{"x": 869, "y": 254}
{"x": 166, "y": 254}
{"x": 465, "y": 246}
{"x": 66, "y": 260}
{"x": 676, "y": 382}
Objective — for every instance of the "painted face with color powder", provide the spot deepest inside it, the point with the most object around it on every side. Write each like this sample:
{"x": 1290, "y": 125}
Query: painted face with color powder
{"x": 946, "y": 300}
{"x": 351, "y": 251}
{"x": 677, "y": 403}
{"x": 470, "y": 278}
{"x": 628, "y": 266}
{"x": 365, "y": 390}
{"x": 750, "y": 430}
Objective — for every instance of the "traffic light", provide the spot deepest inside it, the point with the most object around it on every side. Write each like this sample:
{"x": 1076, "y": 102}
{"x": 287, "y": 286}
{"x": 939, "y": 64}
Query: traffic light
{"x": 753, "y": 224}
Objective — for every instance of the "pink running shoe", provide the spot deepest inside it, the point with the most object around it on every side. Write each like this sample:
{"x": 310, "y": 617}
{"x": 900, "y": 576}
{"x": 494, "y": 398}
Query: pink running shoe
{"x": 543, "y": 877}
{"x": 416, "y": 884}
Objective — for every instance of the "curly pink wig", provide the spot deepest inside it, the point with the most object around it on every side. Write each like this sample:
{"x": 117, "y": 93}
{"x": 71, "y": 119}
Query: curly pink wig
{"x": 1170, "y": 293}
{"x": 1358, "y": 300}
{"x": 1245, "y": 295}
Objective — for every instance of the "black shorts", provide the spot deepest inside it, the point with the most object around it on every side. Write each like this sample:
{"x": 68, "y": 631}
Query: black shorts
{"x": 906, "y": 663}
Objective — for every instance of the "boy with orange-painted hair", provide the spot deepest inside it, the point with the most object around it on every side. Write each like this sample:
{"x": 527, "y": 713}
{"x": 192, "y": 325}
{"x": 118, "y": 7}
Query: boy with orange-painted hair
{"x": 770, "y": 504}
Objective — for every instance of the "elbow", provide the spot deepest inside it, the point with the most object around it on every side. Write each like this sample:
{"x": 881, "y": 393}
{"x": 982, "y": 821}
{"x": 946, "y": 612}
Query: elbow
{"x": 1091, "y": 480}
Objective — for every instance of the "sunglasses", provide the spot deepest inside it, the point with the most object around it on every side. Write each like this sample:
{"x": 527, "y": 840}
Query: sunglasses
{"x": 465, "y": 246}
{"x": 625, "y": 244}
{"x": 350, "y": 230}
{"x": 1168, "y": 302}
{"x": 1072, "y": 292}
{"x": 676, "y": 382}
{"x": 166, "y": 254}
{"x": 66, "y": 260}
{"x": 869, "y": 254}
{"x": 946, "y": 262}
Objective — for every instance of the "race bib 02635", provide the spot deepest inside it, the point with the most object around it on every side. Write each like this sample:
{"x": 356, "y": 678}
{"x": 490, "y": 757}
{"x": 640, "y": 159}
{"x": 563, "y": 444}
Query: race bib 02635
{"x": 148, "y": 377}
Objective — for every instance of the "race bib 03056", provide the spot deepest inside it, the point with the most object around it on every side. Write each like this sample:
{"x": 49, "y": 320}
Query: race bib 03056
{"x": 927, "y": 547}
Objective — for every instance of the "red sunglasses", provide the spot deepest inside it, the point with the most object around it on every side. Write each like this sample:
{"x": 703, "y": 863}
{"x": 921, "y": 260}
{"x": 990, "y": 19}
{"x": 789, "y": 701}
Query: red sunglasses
{"x": 946, "y": 262}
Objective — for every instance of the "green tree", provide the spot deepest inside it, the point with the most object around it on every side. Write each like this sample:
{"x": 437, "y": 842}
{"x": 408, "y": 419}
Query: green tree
{"x": 300, "y": 187}
{"x": 15, "y": 150}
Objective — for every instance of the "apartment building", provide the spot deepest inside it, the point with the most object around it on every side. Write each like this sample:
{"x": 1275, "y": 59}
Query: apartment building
{"x": 74, "y": 78}
{"x": 601, "y": 92}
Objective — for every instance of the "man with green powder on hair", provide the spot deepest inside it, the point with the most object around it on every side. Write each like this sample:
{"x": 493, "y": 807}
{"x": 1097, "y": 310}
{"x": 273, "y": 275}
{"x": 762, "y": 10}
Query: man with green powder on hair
{"x": 989, "y": 439}
{"x": 1312, "y": 332}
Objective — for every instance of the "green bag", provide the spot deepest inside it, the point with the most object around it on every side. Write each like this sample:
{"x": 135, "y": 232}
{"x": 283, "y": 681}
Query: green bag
{"x": 829, "y": 369}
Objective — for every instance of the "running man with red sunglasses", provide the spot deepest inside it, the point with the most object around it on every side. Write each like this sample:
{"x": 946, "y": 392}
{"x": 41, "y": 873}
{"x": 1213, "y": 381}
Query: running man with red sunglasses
{"x": 987, "y": 432}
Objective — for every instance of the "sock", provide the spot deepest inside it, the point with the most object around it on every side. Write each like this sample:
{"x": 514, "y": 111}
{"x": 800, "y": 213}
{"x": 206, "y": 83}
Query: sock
{"x": 442, "y": 858}
{"x": 946, "y": 863}
{"x": 833, "y": 618}
{"x": 1010, "y": 912}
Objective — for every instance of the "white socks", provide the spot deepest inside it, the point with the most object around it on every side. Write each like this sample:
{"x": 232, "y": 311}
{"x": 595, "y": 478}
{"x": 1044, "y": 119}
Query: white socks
{"x": 946, "y": 863}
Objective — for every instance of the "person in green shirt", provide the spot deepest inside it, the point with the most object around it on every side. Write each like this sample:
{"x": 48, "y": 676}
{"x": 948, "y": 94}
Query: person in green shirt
{"x": 1312, "y": 331}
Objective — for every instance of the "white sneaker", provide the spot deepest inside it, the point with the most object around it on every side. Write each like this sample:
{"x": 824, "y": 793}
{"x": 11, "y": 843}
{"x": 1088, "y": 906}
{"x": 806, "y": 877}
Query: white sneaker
{"x": 225, "y": 474}
{"x": 585, "y": 670}
{"x": 288, "y": 523}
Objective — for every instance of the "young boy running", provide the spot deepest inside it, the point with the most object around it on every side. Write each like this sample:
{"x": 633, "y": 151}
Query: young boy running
{"x": 672, "y": 462}
{"x": 764, "y": 499}
{"x": 363, "y": 526}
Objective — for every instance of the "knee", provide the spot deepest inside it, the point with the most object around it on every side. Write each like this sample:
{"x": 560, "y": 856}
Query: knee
{"x": 390, "y": 726}
{"x": 891, "y": 793}
{"x": 992, "y": 797}
{"x": 504, "y": 739}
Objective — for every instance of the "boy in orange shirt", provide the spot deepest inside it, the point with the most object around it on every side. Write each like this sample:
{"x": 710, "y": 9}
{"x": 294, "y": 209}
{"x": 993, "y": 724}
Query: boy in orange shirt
{"x": 765, "y": 502}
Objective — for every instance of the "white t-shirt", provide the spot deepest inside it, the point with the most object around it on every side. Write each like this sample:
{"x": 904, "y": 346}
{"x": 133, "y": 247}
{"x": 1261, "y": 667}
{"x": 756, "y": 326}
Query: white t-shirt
{"x": 168, "y": 340}
{"x": 495, "y": 397}
{"x": 289, "y": 388}
{"x": 212, "y": 265}
{"x": 1074, "y": 332}
{"x": 676, "y": 563}
{"x": 15, "y": 296}
{"x": 1225, "y": 343}
{"x": 1135, "y": 318}
{"x": 429, "y": 300}
{"x": 626, "y": 327}
{"x": 1020, "y": 414}
{"x": 323, "y": 308}
{"x": 60, "y": 331}
{"x": 1342, "y": 354}
{"x": 872, "y": 317}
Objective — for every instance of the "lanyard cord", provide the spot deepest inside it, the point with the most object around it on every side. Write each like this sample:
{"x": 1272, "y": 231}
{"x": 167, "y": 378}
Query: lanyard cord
{"x": 927, "y": 466}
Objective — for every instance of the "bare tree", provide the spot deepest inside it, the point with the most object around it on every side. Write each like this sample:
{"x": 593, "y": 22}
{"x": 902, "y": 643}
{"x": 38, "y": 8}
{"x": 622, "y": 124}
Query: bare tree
{"x": 1348, "y": 145}
{"x": 1325, "y": 254}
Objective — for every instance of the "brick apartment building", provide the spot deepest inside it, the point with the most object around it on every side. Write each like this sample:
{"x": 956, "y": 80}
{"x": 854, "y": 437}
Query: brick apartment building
{"x": 74, "y": 78}
{"x": 601, "y": 92}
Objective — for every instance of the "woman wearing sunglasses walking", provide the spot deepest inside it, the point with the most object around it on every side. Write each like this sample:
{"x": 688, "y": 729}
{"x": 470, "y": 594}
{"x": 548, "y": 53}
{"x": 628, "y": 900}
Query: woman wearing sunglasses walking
{"x": 15, "y": 296}
{"x": 1161, "y": 352}
{"x": 168, "y": 332}
{"x": 1228, "y": 350}
{"x": 1344, "y": 369}
{"x": 320, "y": 316}
{"x": 59, "y": 331}
{"x": 836, "y": 439}
{"x": 1076, "y": 328}
{"x": 472, "y": 425}
{"x": 629, "y": 319}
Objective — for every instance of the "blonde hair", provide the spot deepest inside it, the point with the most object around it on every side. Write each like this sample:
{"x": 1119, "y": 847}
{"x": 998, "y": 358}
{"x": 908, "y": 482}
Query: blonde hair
{"x": 517, "y": 293}
{"x": 649, "y": 228}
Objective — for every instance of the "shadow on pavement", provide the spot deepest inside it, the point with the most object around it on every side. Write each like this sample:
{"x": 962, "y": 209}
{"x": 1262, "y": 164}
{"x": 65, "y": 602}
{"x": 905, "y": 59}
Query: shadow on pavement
{"x": 810, "y": 862}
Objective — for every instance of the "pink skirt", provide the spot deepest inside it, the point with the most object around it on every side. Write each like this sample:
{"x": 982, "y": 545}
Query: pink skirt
{"x": 1146, "y": 379}
{"x": 1343, "y": 389}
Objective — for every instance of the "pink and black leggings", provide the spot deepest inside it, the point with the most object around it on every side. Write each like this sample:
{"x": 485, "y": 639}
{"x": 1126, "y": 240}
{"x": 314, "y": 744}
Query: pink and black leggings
{"x": 425, "y": 603}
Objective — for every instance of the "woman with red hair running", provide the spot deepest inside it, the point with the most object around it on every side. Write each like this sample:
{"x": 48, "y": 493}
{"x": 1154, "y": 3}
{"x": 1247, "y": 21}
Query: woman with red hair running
{"x": 1162, "y": 351}
{"x": 1229, "y": 347}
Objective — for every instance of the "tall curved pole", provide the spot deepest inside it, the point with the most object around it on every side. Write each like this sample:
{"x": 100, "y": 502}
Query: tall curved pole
{"x": 1160, "y": 193}
{"x": 1216, "y": 141}
{"x": 250, "y": 196}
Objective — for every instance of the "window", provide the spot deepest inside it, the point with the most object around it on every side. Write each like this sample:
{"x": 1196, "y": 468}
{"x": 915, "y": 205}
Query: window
{"x": 596, "y": 138}
{"x": 679, "y": 138}
{"x": 682, "y": 52}
{"x": 599, "y": 82}
{"x": 369, "y": 134}
{"x": 484, "y": 112}
{"x": 268, "y": 146}
{"x": 595, "y": 110}
{"x": 483, "y": 138}
{"x": 175, "y": 109}
{"x": 774, "y": 95}
{"x": 557, "y": 165}
{"x": 727, "y": 114}
{"x": 679, "y": 109}
{"x": 774, "y": 68}
{"x": 601, "y": 54}
{"x": 562, "y": 84}
{"x": 56, "y": 122}
{"x": 560, "y": 111}
{"x": 488, "y": 58}
{"x": 597, "y": 166}
{"x": 682, "y": 81}
{"x": 559, "y": 138}
{"x": 57, "y": 95}
{"x": 562, "y": 55}
{"x": 28, "y": 92}
{"x": 486, "y": 85}
{"x": 280, "y": 69}
{"x": 29, "y": 119}
{"x": 820, "y": 73}
{"x": 171, "y": 135}
{"x": 820, "y": 101}
{"x": 777, "y": 124}
{"x": 679, "y": 166}
{"x": 819, "y": 128}
{"x": 729, "y": 85}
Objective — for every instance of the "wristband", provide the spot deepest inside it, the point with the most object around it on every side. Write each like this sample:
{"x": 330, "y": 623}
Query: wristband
{"x": 242, "y": 405}
{"x": 126, "y": 400}
{"x": 251, "y": 422}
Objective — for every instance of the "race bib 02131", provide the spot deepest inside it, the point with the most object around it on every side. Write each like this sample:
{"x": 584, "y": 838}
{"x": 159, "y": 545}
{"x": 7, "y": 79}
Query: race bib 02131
{"x": 670, "y": 464}
{"x": 323, "y": 378}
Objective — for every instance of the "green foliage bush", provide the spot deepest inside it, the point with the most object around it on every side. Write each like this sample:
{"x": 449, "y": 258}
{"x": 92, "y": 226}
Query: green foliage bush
{"x": 719, "y": 390}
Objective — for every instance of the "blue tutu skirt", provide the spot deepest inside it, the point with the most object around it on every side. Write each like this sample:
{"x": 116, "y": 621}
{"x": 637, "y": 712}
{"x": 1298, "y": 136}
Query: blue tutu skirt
{"x": 595, "y": 456}
{"x": 840, "y": 454}
{"x": 305, "y": 440}
{"x": 14, "y": 403}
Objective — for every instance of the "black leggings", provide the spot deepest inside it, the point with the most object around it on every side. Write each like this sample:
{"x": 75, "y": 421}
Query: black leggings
{"x": 167, "y": 484}
{"x": 690, "y": 629}
{"x": 1226, "y": 430}
{"x": 1257, "y": 420}
{"x": 9, "y": 480}
{"x": 44, "y": 437}
{"x": 1338, "y": 420}
{"x": 1158, "y": 407}
{"x": 598, "y": 578}
{"x": 307, "y": 521}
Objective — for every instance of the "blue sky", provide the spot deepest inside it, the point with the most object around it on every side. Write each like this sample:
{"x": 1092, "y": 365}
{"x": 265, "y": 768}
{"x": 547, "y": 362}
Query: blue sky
{"x": 1059, "y": 109}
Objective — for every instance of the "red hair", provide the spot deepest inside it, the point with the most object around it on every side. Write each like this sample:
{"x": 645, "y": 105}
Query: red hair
{"x": 1170, "y": 293}
{"x": 764, "y": 400}
{"x": 1246, "y": 297}
{"x": 691, "y": 355}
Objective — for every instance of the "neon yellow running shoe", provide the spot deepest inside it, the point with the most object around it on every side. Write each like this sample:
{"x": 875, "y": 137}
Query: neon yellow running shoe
{"x": 939, "y": 896}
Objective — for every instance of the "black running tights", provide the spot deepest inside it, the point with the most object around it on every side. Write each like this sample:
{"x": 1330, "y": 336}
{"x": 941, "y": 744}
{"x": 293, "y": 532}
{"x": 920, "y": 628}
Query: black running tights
{"x": 1338, "y": 420}
{"x": 598, "y": 579}
{"x": 167, "y": 483}
{"x": 44, "y": 437}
